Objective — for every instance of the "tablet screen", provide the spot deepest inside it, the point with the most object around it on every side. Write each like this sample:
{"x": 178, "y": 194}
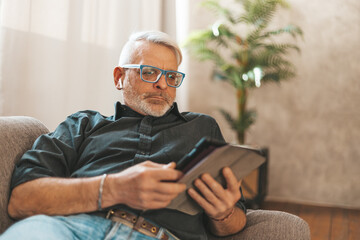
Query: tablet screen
{"x": 203, "y": 148}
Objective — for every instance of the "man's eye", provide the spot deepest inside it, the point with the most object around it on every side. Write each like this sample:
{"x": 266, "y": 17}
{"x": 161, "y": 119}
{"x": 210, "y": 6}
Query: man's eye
{"x": 148, "y": 72}
{"x": 171, "y": 76}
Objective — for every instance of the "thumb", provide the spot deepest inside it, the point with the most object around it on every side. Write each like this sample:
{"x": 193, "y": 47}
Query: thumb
{"x": 170, "y": 165}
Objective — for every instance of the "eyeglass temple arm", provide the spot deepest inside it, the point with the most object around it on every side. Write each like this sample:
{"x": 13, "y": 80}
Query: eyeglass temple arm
{"x": 130, "y": 66}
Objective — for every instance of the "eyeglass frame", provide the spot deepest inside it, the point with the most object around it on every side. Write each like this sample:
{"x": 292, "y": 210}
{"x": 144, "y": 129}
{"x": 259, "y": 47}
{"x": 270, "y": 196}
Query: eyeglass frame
{"x": 163, "y": 72}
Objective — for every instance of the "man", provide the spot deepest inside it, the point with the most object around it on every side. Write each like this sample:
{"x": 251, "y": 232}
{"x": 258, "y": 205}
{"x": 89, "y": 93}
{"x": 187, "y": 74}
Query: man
{"x": 113, "y": 177}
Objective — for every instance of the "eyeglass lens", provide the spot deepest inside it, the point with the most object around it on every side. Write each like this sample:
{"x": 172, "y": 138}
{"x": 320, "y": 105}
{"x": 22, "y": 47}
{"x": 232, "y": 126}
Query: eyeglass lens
{"x": 151, "y": 74}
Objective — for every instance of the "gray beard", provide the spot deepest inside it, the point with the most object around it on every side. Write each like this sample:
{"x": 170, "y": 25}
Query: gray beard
{"x": 138, "y": 102}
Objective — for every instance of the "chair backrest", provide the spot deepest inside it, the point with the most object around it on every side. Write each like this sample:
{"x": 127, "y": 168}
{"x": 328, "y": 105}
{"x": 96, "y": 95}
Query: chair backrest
{"x": 17, "y": 135}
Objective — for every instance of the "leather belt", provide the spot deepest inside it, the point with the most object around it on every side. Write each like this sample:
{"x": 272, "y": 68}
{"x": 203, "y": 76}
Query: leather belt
{"x": 137, "y": 223}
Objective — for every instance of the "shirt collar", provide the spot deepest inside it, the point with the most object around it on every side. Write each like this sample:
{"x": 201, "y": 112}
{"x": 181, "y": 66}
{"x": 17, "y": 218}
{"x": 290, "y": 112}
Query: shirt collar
{"x": 121, "y": 110}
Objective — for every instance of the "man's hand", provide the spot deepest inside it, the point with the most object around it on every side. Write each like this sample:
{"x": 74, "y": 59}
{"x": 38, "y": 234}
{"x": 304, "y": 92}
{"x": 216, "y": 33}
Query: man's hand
{"x": 216, "y": 201}
{"x": 147, "y": 185}
{"x": 219, "y": 203}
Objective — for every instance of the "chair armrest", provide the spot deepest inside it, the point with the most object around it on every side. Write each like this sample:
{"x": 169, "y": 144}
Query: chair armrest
{"x": 17, "y": 135}
{"x": 271, "y": 225}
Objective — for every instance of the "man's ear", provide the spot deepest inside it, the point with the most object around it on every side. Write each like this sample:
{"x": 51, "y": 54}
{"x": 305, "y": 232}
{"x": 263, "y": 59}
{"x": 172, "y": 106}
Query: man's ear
{"x": 118, "y": 77}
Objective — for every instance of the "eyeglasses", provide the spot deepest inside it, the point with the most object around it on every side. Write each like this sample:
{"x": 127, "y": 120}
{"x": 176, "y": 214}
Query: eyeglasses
{"x": 152, "y": 74}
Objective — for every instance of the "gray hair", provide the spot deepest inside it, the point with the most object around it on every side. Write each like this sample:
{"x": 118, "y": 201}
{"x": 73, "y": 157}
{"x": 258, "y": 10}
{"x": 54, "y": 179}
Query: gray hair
{"x": 151, "y": 36}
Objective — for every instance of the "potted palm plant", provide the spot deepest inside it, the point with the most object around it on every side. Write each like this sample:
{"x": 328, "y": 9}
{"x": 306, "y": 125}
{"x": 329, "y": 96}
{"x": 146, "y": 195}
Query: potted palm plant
{"x": 245, "y": 52}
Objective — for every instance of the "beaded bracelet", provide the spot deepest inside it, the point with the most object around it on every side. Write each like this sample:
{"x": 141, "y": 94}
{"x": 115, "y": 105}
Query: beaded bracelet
{"x": 225, "y": 218}
{"x": 101, "y": 190}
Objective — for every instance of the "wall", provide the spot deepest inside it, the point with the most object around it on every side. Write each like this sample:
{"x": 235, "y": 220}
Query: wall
{"x": 311, "y": 123}
{"x": 57, "y": 57}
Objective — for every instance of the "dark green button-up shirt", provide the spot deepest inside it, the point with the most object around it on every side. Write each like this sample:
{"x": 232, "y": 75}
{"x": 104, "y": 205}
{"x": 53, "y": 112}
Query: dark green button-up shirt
{"x": 89, "y": 144}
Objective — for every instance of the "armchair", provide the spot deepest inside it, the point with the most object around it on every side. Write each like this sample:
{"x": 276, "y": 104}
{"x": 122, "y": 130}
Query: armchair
{"x": 17, "y": 135}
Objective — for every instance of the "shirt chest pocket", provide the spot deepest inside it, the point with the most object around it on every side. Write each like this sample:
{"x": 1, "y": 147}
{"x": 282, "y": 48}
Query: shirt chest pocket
{"x": 179, "y": 142}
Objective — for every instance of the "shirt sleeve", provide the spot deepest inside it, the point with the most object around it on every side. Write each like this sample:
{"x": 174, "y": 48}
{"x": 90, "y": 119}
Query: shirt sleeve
{"x": 241, "y": 203}
{"x": 216, "y": 132}
{"x": 53, "y": 154}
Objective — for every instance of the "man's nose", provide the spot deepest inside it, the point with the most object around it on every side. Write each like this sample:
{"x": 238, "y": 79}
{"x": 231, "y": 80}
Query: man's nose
{"x": 161, "y": 84}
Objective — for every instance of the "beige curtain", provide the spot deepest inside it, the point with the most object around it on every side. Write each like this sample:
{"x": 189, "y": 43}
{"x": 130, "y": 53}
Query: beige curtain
{"x": 57, "y": 56}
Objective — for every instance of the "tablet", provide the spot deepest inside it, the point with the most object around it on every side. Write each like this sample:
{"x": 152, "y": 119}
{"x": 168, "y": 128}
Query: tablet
{"x": 202, "y": 149}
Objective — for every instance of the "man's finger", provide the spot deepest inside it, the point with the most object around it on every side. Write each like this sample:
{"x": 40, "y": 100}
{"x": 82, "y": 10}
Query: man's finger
{"x": 151, "y": 164}
{"x": 166, "y": 174}
{"x": 200, "y": 200}
{"x": 161, "y": 172}
{"x": 170, "y": 188}
{"x": 231, "y": 181}
{"x": 214, "y": 186}
{"x": 171, "y": 165}
{"x": 208, "y": 194}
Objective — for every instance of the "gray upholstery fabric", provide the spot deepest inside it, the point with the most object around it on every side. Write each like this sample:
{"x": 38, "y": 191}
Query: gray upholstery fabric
{"x": 17, "y": 134}
{"x": 272, "y": 225}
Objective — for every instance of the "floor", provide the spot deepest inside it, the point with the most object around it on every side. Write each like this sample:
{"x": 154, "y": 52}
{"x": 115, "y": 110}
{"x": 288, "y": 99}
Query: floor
{"x": 326, "y": 223}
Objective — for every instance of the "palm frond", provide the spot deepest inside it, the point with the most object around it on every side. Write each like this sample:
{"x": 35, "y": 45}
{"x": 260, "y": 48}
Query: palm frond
{"x": 224, "y": 36}
{"x": 230, "y": 73}
{"x": 280, "y": 48}
{"x": 242, "y": 123}
{"x": 267, "y": 58}
{"x": 294, "y": 31}
{"x": 231, "y": 121}
{"x": 255, "y": 35}
{"x": 215, "y": 6}
{"x": 198, "y": 37}
{"x": 259, "y": 12}
{"x": 247, "y": 120}
{"x": 278, "y": 74}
